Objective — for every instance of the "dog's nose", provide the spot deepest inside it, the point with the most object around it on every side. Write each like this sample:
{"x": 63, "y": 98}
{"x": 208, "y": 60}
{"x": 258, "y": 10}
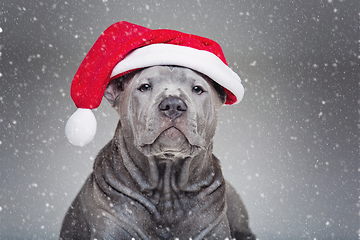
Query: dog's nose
{"x": 172, "y": 107}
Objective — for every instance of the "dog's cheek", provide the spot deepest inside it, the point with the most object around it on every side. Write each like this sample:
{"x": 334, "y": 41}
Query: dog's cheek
{"x": 139, "y": 112}
{"x": 124, "y": 109}
{"x": 210, "y": 114}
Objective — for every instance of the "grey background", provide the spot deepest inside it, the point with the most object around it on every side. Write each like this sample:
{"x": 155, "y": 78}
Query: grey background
{"x": 290, "y": 147}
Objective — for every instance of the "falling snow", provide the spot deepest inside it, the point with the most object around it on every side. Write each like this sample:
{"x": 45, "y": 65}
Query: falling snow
{"x": 290, "y": 147}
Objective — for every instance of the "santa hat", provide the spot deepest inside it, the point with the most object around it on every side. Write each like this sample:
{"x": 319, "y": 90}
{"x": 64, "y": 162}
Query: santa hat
{"x": 125, "y": 47}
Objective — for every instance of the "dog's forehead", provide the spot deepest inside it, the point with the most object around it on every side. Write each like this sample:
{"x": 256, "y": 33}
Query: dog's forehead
{"x": 170, "y": 73}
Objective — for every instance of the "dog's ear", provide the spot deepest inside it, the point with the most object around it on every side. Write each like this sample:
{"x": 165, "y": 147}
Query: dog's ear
{"x": 220, "y": 90}
{"x": 113, "y": 90}
{"x": 118, "y": 85}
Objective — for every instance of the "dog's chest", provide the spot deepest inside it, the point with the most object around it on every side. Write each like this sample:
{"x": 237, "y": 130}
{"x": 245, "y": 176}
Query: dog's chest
{"x": 163, "y": 216}
{"x": 172, "y": 204}
{"x": 173, "y": 209}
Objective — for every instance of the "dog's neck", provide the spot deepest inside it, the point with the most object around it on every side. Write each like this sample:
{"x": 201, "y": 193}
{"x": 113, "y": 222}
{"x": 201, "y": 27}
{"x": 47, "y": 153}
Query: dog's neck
{"x": 170, "y": 183}
{"x": 162, "y": 186}
{"x": 166, "y": 175}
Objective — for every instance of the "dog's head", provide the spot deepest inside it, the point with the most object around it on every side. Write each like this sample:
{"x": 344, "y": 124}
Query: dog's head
{"x": 166, "y": 111}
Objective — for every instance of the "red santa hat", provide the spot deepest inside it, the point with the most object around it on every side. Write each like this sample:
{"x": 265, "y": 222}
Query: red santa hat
{"x": 125, "y": 47}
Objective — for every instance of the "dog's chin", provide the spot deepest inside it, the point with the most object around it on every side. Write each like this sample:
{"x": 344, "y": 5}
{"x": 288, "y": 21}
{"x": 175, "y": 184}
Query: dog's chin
{"x": 171, "y": 143}
{"x": 171, "y": 138}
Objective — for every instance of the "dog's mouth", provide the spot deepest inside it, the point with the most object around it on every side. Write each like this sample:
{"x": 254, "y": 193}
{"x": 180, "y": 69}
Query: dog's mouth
{"x": 172, "y": 134}
{"x": 171, "y": 142}
{"x": 171, "y": 138}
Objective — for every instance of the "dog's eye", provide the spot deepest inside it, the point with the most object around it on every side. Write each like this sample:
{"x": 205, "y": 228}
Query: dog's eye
{"x": 198, "y": 90}
{"x": 144, "y": 87}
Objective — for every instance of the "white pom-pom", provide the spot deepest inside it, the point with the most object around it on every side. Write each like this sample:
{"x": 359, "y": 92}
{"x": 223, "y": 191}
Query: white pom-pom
{"x": 80, "y": 129}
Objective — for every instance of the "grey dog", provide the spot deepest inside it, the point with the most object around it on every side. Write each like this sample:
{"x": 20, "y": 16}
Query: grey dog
{"x": 158, "y": 178}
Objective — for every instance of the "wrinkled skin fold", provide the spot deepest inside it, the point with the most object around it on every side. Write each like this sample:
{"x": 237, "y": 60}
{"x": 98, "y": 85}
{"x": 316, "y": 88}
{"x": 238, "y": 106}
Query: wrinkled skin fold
{"x": 157, "y": 178}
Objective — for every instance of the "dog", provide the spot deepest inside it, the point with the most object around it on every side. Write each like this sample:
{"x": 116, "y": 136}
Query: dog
{"x": 158, "y": 178}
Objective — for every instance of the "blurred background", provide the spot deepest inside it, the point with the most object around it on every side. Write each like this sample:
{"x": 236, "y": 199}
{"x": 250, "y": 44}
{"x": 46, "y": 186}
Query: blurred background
{"x": 291, "y": 147}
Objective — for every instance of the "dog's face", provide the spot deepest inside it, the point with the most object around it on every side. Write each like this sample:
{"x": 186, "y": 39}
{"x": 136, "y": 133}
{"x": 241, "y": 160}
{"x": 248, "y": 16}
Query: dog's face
{"x": 166, "y": 111}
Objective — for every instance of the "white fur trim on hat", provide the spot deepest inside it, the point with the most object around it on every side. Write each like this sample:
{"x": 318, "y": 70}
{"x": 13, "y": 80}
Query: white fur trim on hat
{"x": 80, "y": 129}
{"x": 199, "y": 60}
